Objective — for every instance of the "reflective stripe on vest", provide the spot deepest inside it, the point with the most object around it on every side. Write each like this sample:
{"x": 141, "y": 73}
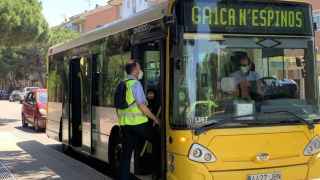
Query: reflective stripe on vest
{"x": 132, "y": 115}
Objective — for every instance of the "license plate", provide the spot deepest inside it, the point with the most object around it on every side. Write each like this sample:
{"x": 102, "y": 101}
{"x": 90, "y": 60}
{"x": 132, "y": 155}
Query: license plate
{"x": 273, "y": 176}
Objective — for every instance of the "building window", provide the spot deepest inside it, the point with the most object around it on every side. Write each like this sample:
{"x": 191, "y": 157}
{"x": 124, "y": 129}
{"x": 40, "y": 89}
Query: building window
{"x": 316, "y": 19}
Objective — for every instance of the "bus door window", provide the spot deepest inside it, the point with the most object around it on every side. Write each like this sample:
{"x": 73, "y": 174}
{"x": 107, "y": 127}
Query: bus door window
{"x": 75, "y": 103}
{"x": 85, "y": 103}
{"x": 96, "y": 78}
{"x": 152, "y": 69}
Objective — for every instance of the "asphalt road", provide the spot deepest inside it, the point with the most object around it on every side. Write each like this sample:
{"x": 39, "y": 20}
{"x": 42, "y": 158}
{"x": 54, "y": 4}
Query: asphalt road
{"x": 25, "y": 154}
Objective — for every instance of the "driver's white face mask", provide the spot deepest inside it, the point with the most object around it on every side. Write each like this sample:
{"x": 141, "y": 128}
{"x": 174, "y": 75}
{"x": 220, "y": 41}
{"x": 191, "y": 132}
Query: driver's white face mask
{"x": 244, "y": 69}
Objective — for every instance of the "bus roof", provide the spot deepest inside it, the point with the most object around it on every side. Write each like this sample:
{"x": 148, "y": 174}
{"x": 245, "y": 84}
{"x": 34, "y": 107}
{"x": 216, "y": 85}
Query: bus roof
{"x": 151, "y": 14}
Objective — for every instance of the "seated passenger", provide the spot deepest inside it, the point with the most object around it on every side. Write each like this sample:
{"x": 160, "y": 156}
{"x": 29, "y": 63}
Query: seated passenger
{"x": 244, "y": 76}
{"x": 153, "y": 102}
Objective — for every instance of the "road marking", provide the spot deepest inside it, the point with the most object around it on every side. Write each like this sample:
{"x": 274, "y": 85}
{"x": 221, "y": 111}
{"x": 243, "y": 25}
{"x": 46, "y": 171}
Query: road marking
{"x": 5, "y": 173}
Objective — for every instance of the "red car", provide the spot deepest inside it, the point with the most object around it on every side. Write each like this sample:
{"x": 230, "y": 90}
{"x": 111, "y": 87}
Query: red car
{"x": 34, "y": 109}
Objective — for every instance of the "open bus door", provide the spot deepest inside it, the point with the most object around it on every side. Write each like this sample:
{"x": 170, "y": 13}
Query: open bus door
{"x": 80, "y": 104}
{"x": 75, "y": 105}
{"x": 151, "y": 55}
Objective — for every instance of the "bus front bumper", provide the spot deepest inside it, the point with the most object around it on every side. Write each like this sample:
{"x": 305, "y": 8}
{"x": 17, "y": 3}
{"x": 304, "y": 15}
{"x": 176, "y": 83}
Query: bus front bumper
{"x": 182, "y": 168}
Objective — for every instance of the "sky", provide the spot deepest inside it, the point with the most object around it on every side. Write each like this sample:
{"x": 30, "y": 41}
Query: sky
{"x": 56, "y": 10}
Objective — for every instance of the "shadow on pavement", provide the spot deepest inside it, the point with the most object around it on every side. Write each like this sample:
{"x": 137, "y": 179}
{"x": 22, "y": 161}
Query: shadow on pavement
{"x": 38, "y": 161}
{"x": 4, "y": 122}
{"x": 28, "y": 129}
{"x": 100, "y": 166}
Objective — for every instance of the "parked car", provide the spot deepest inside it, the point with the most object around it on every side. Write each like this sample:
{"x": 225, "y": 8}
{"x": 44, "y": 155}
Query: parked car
{"x": 16, "y": 95}
{"x": 4, "y": 95}
{"x": 34, "y": 109}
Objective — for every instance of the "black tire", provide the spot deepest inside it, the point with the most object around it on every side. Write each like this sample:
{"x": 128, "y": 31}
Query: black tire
{"x": 60, "y": 130}
{"x": 23, "y": 120}
{"x": 65, "y": 148}
{"x": 114, "y": 149}
{"x": 36, "y": 125}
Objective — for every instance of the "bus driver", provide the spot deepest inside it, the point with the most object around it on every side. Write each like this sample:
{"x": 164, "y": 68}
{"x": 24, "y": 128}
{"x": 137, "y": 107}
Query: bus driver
{"x": 244, "y": 76}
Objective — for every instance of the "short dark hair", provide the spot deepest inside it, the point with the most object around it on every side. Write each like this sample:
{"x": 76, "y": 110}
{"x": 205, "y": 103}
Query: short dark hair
{"x": 130, "y": 67}
{"x": 241, "y": 55}
{"x": 238, "y": 56}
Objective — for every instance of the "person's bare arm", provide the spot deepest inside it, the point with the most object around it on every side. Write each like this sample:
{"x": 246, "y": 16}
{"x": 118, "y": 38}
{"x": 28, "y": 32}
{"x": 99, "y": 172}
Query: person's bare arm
{"x": 148, "y": 113}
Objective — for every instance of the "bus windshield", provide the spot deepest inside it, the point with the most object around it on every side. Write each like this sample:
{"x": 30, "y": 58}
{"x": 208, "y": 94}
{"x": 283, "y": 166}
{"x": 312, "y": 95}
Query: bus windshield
{"x": 219, "y": 77}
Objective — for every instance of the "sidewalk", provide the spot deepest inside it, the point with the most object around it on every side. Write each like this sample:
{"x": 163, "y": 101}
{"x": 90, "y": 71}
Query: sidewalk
{"x": 28, "y": 155}
{"x": 29, "y": 159}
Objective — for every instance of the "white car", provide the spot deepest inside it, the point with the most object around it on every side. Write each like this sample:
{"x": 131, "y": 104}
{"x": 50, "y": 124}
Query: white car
{"x": 16, "y": 95}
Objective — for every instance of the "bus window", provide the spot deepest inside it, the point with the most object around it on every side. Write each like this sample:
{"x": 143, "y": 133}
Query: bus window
{"x": 152, "y": 69}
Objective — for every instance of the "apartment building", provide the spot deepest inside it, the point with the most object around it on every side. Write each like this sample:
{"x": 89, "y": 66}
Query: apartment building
{"x": 130, "y": 7}
{"x": 101, "y": 15}
{"x": 92, "y": 19}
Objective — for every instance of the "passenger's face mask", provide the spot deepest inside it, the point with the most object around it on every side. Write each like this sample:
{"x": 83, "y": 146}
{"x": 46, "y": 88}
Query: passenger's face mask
{"x": 245, "y": 69}
{"x": 140, "y": 75}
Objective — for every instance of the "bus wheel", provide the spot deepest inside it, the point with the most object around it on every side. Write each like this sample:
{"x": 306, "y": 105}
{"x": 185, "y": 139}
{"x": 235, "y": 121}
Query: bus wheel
{"x": 65, "y": 148}
{"x": 60, "y": 130}
{"x": 36, "y": 125}
{"x": 114, "y": 149}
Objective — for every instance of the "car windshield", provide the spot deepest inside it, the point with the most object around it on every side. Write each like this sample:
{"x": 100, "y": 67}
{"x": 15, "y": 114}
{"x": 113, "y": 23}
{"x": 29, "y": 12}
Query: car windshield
{"x": 29, "y": 89}
{"x": 224, "y": 77}
{"x": 43, "y": 97}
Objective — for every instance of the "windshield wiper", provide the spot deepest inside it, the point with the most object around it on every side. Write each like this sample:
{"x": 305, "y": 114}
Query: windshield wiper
{"x": 301, "y": 119}
{"x": 226, "y": 120}
{"x": 231, "y": 119}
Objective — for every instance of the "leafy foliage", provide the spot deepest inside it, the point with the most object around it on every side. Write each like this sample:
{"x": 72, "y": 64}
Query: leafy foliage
{"x": 59, "y": 35}
{"x": 21, "y": 22}
{"x": 23, "y": 62}
{"x": 25, "y": 40}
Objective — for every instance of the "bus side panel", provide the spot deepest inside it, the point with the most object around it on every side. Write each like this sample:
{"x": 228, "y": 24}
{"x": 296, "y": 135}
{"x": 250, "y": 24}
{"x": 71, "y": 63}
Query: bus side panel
{"x": 105, "y": 118}
{"x": 55, "y": 96}
{"x": 53, "y": 122}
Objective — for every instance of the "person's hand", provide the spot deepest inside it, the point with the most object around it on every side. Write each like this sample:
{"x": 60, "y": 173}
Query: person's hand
{"x": 156, "y": 122}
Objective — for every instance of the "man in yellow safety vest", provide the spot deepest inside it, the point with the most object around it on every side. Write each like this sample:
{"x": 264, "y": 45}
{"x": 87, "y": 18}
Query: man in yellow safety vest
{"x": 134, "y": 120}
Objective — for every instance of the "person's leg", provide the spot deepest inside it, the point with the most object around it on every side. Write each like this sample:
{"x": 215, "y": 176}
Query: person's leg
{"x": 156, "y": 152}
{"x": 127, "y": 148}
{"x": 150, "y": 133}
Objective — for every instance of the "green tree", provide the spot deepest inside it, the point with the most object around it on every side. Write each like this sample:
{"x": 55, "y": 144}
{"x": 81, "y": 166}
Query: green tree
{"x": 37, "y": 52}
{"x": 59, "y": 35}
{"x": 18, "y": 63}
{"x": 21, "y": 21}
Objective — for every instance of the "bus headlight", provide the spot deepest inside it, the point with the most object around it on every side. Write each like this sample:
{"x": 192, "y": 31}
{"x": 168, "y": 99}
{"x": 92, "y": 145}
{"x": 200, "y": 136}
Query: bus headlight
{"x": 199, "y": 153}
{"x": 313, "y": 147}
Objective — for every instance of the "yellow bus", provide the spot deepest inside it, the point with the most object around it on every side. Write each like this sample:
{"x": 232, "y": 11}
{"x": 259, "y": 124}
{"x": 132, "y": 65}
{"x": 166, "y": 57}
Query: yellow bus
{"x": 237, "y": 83}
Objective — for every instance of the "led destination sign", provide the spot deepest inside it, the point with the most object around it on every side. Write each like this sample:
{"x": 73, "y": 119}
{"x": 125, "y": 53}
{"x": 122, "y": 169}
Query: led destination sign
{"x": 258, "y": 18}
